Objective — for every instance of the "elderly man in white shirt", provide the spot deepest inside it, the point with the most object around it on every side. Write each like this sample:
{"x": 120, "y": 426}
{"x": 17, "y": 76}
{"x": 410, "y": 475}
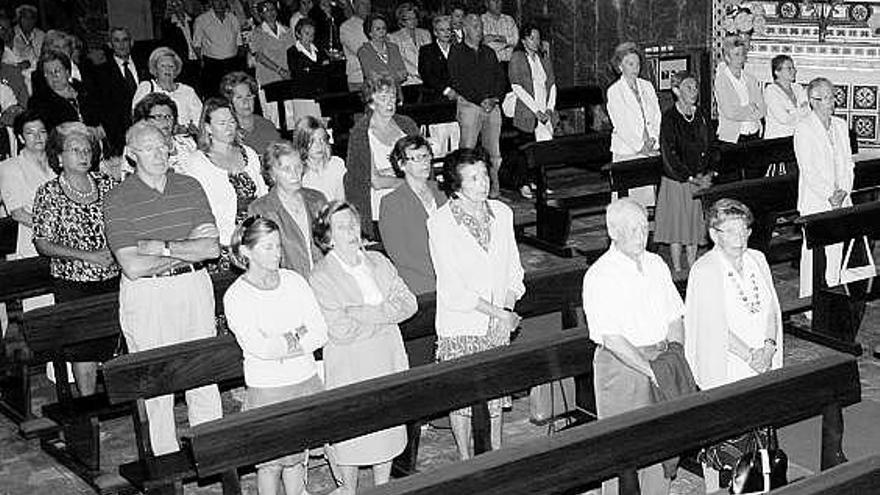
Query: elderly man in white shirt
{"x": 499, "y": 31}
{"x": 633, "y": 311}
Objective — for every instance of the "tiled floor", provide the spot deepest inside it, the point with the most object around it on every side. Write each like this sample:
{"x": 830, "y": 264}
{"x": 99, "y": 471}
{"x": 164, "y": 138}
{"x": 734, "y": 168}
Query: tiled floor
{"x": 26, "y": 470}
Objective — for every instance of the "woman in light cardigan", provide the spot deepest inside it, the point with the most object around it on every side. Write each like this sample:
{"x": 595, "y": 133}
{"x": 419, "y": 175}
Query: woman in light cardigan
{"x": 533, "y": 82}
{"x": 826, "y": 172}
{"x": 363, "y": 300}
{"x": 733, "y": 322}
{"x": 740, "y": 100}
{"x": 635, "y": 114}
{"x": 479, "y": 275}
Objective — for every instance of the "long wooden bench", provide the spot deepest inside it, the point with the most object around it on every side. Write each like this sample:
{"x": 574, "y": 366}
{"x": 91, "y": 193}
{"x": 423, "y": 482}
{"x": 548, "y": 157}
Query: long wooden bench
{"x": 266, "y": 433}
{"x": 838, "y": 311}
{"x": 554, "y": 213}
{"x": 133, "y": 378}
{"x": 850, "y": 478}
{"x": 571, "y": 460}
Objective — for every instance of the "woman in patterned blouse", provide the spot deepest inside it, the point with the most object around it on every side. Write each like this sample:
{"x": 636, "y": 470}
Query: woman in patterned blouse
{"x": 227, "y": 169}
{"x": 479, "y": 275}
{"x": 69, "y": 226}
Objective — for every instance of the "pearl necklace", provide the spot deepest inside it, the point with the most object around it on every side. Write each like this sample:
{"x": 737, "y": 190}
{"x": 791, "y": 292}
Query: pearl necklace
{"x": 76, "y": 193}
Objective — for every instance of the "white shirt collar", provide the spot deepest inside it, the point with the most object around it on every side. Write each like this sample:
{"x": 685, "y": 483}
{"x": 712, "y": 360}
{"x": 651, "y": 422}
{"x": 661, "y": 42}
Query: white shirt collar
{"x": 281, "y": 30}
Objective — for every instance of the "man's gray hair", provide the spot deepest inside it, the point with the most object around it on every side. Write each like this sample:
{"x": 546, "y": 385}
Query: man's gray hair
{"x": 621, "y": 214}
{"x": 818, "y": 83}
{"x": 140, "y": 129}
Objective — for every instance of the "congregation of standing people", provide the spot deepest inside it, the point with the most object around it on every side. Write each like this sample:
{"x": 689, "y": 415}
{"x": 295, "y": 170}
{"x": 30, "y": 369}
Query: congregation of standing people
{"x": 149, "y": 179}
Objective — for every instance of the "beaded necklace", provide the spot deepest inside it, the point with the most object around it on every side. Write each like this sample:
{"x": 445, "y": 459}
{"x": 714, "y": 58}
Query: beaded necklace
{"x": 79, "y": 196}
{"x": 753, "y": 303}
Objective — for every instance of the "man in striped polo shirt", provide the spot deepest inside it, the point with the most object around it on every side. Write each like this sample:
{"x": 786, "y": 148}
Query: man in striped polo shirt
{"x": 160, "y": 228}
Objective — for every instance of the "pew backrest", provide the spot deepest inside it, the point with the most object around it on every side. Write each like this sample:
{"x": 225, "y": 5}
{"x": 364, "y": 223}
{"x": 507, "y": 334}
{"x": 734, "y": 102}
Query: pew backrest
{"x": 850, "y": 478}
{"x": 82, "y": 330}
{"x": 24, "y": 278}
{"x": 570, "y": 460}
{"x": 590, "y": 150}
{"x": 629, "y": 174}
{"x": 751, "y": 159}
{"x": 268, "y": 432}
{"x": 841, "y": 224}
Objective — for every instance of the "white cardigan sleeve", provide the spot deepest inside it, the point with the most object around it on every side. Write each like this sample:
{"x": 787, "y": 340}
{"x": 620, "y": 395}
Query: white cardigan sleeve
{"x": 450, "y": 282}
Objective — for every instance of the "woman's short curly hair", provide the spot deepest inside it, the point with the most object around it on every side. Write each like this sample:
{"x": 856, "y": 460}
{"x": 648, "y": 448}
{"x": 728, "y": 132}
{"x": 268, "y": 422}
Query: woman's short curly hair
{"x": 727, "y": 209}
{"x": 55, "y": 56}
{"x": 57, "y": 141}
{"x": 376, "y": 82}
{"x": 159, "y": 54}
{"x": 398, "y": 153}
{"x": 149, "y": 102}
{"x": 272, "y": 156}
{"x": 455, "y": 161}
{"x": 233, "y": 79}
{"x": 373, "y": 17}
{"x": 322, "y": 230}
{"x": 23, "y": 119}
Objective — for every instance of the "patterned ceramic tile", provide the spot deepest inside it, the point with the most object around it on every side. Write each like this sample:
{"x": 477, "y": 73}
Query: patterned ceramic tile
{"x": 864, "y": 97}
{"x": 865, "y": 126}
{"x": 841, "y": 96}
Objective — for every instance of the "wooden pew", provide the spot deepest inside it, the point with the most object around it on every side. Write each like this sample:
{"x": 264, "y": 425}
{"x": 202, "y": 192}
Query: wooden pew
{"x": 838, "y": 311}
{"x": 850, "y": 478}
{"x": 135, "y": 377}
{"x": 570, "y": 460}
{"x": 265, "y": 433}
{"x": 19, "y": 280}
{"x": 554, "y": 212}
{"x": 750, "y": 160}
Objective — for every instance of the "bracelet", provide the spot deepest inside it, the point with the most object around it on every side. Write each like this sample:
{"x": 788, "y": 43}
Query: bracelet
{"x": 770, "y": 341}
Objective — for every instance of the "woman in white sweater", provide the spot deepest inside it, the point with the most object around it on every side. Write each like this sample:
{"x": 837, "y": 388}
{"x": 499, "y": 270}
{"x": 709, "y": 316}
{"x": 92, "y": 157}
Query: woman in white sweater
{"x": 278, "y": 324}
{"x": 479, "y": 275}
{"x": 786, "y": 100}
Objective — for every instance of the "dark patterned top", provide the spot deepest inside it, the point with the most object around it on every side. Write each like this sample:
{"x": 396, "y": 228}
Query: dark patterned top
{"x": 245, "y": 190}
{"x": 61, "y": 220}
{"x": 480, "y": 228}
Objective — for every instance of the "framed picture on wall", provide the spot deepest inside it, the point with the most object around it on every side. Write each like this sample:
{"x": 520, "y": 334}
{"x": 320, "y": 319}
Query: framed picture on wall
{"x": 668, "y": 66}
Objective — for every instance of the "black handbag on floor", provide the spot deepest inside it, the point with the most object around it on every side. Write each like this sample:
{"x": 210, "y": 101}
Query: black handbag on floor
{"x": 762, "y": 468}
{"x": 740, "y": 462}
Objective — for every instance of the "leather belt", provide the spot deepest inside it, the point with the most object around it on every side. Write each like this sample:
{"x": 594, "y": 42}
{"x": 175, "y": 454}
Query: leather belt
{"x": 180, "y": 270}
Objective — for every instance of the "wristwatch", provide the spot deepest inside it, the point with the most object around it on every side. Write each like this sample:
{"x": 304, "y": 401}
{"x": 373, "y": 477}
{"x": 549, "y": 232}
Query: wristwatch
{"x": 166, "y": 249}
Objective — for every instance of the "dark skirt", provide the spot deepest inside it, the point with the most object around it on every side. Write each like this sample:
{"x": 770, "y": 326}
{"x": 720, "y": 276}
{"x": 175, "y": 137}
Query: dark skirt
{"x": 679, "y": 217}
{"x": 70, "y": 290}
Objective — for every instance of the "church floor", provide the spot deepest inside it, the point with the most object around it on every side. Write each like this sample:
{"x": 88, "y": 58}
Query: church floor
{"x": 26, "y": 470}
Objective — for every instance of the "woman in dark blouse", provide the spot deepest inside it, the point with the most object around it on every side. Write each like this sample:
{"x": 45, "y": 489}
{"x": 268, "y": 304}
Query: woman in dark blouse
{"x": 69, "y": 227}
{"x": 63, "y": 99}
{"x": 684, "y": 146}
{"x": 306, "y": 62}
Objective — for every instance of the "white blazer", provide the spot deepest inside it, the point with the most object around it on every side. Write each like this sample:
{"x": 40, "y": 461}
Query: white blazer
{"x": 783, "y": 115}
{"x": 626, "y": 117}
{"x": 218, "y": 189}
{"x": 819, "y": 175}
{"x": 466, "y": 273}
{"x": 816, "y": 163}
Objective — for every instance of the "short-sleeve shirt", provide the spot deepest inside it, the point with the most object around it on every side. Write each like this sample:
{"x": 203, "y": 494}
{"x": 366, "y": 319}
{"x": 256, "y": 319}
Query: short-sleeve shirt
{"x": 135, "y": 211}
{"x": 620, "y": 299}
{"x": 63, "y": 221}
